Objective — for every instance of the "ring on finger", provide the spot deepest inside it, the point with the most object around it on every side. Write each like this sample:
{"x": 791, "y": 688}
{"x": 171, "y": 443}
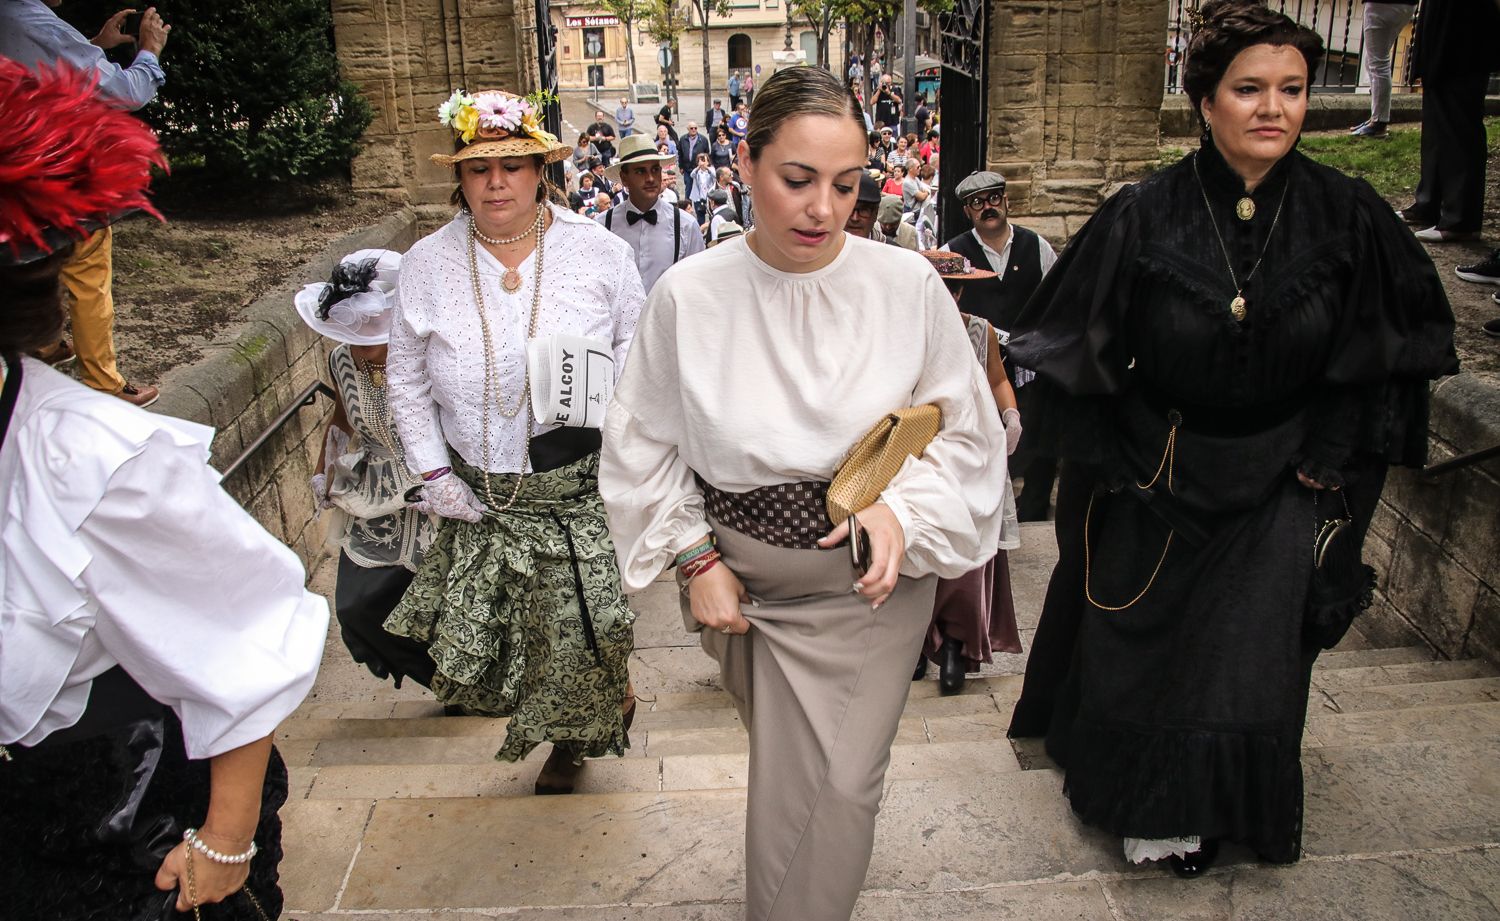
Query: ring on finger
{"x": 727, "y": 631}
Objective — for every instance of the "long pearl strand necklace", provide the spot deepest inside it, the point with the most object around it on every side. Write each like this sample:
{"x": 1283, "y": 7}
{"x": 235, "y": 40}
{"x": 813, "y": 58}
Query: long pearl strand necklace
{"x": 489, "y": 364}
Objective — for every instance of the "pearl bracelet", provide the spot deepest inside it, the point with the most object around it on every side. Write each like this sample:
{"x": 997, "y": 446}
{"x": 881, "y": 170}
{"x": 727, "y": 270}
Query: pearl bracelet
{"x": 191, "y": 837}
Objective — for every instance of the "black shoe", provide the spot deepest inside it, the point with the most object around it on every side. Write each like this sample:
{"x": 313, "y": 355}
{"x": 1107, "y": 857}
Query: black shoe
{"x": 1416, "y": 218}
{"x": 921, "y": 671}
{"x": 1197, "y": 863}
{"x": 1492, "y": 328}
{"x": 951, "y": 668}
{"x": 1484, "y": 272}
{"x": 1371, "y": 129}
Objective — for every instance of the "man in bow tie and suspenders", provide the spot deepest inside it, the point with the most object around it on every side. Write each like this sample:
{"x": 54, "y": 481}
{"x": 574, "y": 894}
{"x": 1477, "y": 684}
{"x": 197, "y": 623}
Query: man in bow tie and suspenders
{"x": 659, "y": 233}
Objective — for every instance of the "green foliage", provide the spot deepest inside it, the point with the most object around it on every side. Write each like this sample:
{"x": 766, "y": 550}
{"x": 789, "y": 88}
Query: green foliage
{"x": 1392, "y": 166}
{"x": 253, "y": 88}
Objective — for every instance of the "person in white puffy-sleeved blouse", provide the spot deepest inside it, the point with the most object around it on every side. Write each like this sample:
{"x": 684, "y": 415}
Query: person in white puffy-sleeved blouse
{"x": 518, "y": 599}
{"x": 756, "y": 367}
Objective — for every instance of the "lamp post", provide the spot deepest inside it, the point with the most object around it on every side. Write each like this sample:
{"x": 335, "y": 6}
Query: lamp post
{"x": 909, "y": 43}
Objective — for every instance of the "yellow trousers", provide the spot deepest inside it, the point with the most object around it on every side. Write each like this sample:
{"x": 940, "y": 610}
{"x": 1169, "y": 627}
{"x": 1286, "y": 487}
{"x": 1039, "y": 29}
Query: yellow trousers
{"x": 89, "y": 276}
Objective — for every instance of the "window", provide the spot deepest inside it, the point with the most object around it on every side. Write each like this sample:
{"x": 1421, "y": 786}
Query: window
{"x": 808, "y": 41}
{"x": 739, "y": 52}
{"x": 593, "y": 43}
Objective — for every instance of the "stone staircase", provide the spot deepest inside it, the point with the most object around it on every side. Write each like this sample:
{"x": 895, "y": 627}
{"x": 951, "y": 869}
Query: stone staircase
{"x": 397, "y": 812}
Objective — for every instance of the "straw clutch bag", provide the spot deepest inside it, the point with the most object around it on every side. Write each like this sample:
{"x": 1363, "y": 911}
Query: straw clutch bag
{"x": 876, "y": 458}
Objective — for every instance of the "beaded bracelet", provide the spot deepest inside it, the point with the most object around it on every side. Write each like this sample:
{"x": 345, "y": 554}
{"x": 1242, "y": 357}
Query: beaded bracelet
{"x": 191, "y": 837}
{"x": 431, "y": 475}
{"x": 702, "y": 548}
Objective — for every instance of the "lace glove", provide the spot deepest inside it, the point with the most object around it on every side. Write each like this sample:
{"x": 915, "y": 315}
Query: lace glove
{"x": 319, "y": 484}
{"x": 451, "y": 497}
{"x": 1011, "y": 419}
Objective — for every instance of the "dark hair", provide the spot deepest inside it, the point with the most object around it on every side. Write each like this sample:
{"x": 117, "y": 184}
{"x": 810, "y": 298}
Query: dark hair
{"x": 545, "y": 190}
{"x": 31, "y": 313}
{"x": 793, "y": 92}
{"x": 1227, "y": 27}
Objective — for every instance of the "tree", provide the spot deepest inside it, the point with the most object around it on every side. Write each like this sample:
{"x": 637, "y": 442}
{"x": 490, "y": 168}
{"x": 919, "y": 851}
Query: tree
{"x": 664, "y": 26}
{"x": 627, "y": 11}
{"x": 254, "y": 89}
{"x": 705, "y": 8}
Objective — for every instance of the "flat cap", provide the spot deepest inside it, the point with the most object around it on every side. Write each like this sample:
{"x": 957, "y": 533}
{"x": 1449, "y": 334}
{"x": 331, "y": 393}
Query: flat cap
{"x": 982, "y": 181}
{"x": 869, "y": 189}
{"x": 890, "y": 209}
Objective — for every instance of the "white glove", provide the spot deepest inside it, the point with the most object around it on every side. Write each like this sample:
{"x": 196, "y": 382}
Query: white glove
{"x": 1011, "y": 419}
{"x": 451, "y": 497}
{"x": 319, "y": 484}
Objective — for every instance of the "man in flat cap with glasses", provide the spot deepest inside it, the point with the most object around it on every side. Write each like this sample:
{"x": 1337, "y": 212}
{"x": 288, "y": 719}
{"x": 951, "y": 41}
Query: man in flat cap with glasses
{"x": 1019, "y": 258}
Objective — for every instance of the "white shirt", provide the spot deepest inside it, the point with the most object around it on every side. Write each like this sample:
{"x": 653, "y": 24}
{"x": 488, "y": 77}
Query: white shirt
{"x": 120, "y": 548}
{"x": 750, "y": 377}
{"x": 1046, "y": 255}
{"x": 652, "y": 243}
{"x": 31, "y": 33}
{"x": 436, "y": 362}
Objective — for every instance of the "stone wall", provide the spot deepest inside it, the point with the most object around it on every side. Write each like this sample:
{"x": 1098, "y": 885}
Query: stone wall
{"x": 1075, "y": 100}
{"x": 1436, "y": 542}
{"x": 250, "y": 375}
{"x": 408, "y": 56}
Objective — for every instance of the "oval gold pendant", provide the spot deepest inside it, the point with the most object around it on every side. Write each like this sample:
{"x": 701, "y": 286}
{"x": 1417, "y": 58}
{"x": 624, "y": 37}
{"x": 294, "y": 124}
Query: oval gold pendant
{"x": 1244, "y": 209}
{"x": 1237, "y": 308}
{"x": 511, "y": 280}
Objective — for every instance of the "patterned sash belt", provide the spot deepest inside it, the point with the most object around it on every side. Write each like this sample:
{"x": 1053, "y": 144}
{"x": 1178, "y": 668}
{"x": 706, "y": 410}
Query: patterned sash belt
{"x": 788, "y": 515}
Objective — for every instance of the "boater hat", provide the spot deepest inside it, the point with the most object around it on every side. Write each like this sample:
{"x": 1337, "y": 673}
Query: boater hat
{"x": 953, "y": 267}
{"x": 636, "y": 149}
{"x": 494, "y": 123}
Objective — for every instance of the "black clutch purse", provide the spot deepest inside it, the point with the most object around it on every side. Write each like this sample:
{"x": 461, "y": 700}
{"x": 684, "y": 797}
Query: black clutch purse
{"x": 1342, "y": 585}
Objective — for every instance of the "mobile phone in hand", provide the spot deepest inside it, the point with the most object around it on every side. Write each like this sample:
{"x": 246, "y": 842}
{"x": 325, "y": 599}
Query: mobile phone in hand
{"x": 132, "y": 24}
{"x": 859, "y": 547}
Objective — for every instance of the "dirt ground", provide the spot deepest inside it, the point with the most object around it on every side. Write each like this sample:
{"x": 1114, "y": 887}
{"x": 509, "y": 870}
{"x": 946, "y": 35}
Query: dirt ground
{"x": 182, "y": 283}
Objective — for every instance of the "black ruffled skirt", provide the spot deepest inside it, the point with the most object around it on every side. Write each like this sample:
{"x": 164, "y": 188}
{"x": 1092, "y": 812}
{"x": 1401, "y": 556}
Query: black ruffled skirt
{"x": 1182, "y": 713}
{"x": 90, "y": 813}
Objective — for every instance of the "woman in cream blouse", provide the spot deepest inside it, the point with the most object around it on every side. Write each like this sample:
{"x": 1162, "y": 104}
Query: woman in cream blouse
{"x": 729, "y": 421}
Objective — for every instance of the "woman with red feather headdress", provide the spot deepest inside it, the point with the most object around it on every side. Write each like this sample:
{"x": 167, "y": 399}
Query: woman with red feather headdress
{"x": 141, "y": 677}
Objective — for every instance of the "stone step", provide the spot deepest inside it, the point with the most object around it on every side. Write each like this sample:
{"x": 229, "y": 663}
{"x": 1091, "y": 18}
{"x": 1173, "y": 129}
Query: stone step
{"x": 715, "y": 771}
{"x": 1365, "y": 658}
{"x": 1416, "y": 724}
{"x": 963, "y": 831}
{"x": 1335, "y": 679}
{"x": 1404, "y": 696}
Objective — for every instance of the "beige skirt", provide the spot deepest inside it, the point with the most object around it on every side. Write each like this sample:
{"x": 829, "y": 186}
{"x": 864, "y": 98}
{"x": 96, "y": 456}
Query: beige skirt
{"x": 820, "y": 682}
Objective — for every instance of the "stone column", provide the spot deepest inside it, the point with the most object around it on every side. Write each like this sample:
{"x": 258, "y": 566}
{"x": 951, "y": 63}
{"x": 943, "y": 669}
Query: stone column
{"x": 1074, "y": 102}
{"x": 408, "y": 56}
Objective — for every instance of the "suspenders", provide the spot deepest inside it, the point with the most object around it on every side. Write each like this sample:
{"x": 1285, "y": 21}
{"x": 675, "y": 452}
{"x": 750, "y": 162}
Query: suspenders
{"x": 609, "y": 221}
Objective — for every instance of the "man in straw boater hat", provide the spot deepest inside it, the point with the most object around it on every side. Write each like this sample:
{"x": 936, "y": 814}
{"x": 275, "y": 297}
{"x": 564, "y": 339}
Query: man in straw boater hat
{"x": 660, "y": 234}
{"x": 1019, "y": 258}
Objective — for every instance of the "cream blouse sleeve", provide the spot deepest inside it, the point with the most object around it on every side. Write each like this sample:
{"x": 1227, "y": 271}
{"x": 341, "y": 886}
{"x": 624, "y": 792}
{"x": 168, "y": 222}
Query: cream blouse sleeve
{"x": 655, "y": 508}
{"x": 949, "y": 500}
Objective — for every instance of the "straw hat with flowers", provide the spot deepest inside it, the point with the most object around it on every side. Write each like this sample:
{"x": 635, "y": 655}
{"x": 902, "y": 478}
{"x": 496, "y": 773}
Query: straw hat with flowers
{"x": 494, "y": 123}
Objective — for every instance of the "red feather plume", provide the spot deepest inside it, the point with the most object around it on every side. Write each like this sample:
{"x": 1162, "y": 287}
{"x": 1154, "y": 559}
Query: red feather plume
{"x": 68, "y": 159}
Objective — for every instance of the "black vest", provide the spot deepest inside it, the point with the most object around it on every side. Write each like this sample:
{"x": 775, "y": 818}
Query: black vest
{"x": 1000, "y": 300}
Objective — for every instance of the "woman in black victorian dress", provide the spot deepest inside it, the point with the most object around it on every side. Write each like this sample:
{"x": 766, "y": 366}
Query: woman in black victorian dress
{"x": 1234, "y": 350}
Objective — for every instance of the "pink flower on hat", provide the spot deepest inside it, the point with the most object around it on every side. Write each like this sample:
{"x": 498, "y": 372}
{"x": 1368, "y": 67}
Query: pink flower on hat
{"x": 499, "y": 111}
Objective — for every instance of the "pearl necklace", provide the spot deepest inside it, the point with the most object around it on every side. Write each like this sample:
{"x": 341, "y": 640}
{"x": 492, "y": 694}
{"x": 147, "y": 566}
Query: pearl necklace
{"x": 511, "y": 279}
{"x": 474, "y": 226}
{"x": 489, "y": 366}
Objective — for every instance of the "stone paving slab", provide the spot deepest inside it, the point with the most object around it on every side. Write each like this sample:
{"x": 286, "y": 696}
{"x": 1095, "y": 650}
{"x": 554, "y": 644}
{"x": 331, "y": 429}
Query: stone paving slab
{"x": 490, "y": 779}
{"x": 908, "y": 762}
{"x": 1464, "y": 886}
{"x": 1364, "y": 658}
{"x": 1468, "y": 690}
{"x": 1457, "y": 722}
{"x": 539, "y": 851}
{"x": 1415, "y": 673}
{"x": 1070, "y": 901}
{"x": 1399, "y": 797}
{"x": 319, "y": 838}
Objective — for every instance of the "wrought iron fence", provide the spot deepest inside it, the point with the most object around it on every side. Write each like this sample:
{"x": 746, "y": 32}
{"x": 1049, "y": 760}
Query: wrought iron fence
{"x": 1340, "y": 22}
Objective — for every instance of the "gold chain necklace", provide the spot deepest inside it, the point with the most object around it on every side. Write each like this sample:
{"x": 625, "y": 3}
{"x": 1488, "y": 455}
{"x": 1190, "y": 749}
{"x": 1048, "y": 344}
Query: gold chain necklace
{"x": 489, "y": 366}
{"x": 1237, "y": 306}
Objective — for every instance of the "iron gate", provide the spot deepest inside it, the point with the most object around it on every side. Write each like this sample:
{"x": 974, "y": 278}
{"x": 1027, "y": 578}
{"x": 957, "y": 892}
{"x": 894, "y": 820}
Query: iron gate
{"x": 546, "y": 65}
{"x": 964, "y": 89}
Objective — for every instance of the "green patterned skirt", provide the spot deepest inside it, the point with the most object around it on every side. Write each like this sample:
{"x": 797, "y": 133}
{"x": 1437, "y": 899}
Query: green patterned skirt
{"x": 525, "y": 616}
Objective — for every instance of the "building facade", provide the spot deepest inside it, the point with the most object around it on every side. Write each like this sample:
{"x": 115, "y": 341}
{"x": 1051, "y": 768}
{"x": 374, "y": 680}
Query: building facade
{"x": 591, "y": 46}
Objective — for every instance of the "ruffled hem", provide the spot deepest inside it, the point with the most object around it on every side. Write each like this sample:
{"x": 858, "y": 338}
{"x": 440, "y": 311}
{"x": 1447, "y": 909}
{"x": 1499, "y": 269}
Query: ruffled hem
{"x": 1328, "y": 619}
{"x": 1171, "y": 783}
{"x": 1145, "y": 850}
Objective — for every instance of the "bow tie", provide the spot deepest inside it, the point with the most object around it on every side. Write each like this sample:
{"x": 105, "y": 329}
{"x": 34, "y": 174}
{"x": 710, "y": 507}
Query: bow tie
{"x": 631, "y": 217}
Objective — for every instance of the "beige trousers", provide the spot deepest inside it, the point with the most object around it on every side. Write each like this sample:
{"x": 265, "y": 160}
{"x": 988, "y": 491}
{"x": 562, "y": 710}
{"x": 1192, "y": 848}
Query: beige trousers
{"x": 820, "y": 681}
